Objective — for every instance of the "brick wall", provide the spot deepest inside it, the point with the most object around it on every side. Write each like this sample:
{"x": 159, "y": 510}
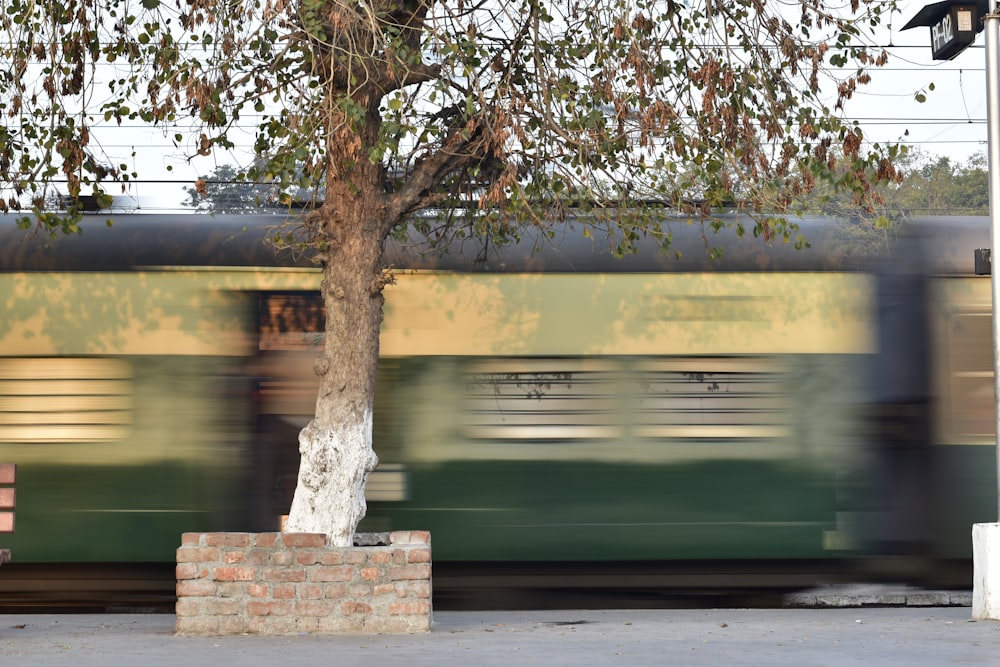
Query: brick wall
{"x": 290, "y": 583}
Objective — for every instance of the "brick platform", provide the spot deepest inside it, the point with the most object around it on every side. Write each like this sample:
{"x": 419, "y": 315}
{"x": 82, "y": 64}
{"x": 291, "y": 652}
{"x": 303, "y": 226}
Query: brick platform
{"x": 289, "y": 583}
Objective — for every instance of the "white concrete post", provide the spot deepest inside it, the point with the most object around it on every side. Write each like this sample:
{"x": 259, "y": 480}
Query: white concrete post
{"x": 986, "y": 536}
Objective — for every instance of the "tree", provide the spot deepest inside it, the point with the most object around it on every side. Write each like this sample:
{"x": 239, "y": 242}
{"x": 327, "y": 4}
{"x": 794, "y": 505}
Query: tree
{"x": 493, "y": 114}
{"x": 226, "y": 190}
{"x": 934, "y": 185}
{"x": 926, "y": 185}
{"x": 223, "y": 192}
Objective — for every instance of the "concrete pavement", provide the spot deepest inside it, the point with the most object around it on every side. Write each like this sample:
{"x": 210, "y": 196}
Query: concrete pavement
{"x": 910, "y": 636}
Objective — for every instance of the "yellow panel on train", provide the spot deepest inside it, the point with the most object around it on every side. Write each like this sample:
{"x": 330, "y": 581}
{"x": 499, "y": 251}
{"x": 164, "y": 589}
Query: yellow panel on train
{"x": 590, "y": 314}
{"x": 426, "y": 313}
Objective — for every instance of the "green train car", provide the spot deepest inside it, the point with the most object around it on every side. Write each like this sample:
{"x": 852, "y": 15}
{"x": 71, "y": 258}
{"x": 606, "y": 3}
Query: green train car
{"x": 557, "y": 418}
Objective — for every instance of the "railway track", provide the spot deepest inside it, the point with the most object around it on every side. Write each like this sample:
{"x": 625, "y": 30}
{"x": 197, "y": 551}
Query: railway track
{"x": 149, "y": 588}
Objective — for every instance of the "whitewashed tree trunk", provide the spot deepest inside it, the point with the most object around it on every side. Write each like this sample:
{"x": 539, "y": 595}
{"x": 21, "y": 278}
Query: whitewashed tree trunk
{"x": 330, "y": 493}
{"x": 336, "y": 446}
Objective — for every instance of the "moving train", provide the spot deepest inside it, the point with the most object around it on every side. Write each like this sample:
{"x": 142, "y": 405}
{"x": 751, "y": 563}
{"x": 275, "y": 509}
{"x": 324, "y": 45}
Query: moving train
{"x": 573, "y": 428}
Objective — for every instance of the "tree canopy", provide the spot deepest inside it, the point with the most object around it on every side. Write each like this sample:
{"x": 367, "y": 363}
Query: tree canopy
{"x": 520, "y": 105}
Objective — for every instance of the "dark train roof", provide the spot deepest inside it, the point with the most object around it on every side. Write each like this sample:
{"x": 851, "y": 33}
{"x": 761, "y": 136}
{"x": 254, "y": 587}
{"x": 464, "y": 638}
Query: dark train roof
{"x": 940, "y": 245}
{"x": 140, "y": 241}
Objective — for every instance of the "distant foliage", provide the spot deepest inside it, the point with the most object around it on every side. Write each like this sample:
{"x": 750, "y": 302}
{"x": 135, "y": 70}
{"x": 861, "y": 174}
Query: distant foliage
{"x": 937, "y": 186}
{"x": 227, "y": 190}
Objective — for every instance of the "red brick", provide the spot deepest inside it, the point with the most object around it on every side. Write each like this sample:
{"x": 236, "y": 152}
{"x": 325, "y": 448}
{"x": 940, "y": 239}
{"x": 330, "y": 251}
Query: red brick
{"x": 190, "y": 571}
{"x": 335, "y": 591}
{"x": 227, "y": 539}
{"x": 197, "y": 555}
{"x": 188, "y": 606}
{"x": 283, "y": 591}
{"x": 383, "y": 589}
{"x": 232, "y": 625}
{"x": 405, "y": 624}
{"x": 418, "y": 556}
{"x": 221, "y": 607}
{"x": 410, "y": 608}
{"x": 355, "y": 607}
{"x": 311, "y": 540}
{"x": 283, "y": 557}
{"x": 271, "y": 608}
{"x": 338, "y": 624}
{"x": 360, "y": 591}
{"x": 235, "y": 573}
{"x": 315, "y": 607}
{"x": 258, "y": 557}
{"x": 266, "y": 540}
{"x": 258, "y": 590}
{"x": 418, "y": 571}
{"x": 232, "y": 589}
{"x": 306, "y": 558}
{"x": 413, "y": 589}
{"x": 197, "y": 625}
{"x": 355, "y": 557}
{"x": 276, "y": 583}
{"x": 271, "y": 625}
{"x": 380, "y": 557}
{"x": 283, "y": 574}
{"x": 307, "y": 592}
{"x": 410, "y": 537}
{"x": 331, "y": 573}
{"x": 330, "y": 558}
{"x": 198, "y": 588}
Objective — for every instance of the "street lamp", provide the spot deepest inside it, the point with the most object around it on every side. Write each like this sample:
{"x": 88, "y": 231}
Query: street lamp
{"x": 953, "y": 28}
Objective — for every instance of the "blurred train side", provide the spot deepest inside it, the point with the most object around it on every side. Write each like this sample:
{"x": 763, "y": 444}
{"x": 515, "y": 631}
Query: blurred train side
{"x": 556, "y": 417}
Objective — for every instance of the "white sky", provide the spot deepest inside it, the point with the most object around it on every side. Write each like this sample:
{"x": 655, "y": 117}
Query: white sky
{"x": 952, "y": 122}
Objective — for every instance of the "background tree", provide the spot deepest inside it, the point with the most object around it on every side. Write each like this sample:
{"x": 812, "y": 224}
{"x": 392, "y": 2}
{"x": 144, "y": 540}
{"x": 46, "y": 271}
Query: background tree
{"x": 934, "y": 185}
{"x": 495, "y": 114}
{"x": 926, "y": 185}
{"x": 226, "y": 190}
{"x": 223, "y": 191}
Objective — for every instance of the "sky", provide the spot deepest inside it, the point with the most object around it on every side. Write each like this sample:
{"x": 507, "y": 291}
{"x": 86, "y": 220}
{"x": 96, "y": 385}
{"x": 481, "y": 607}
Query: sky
{"x": 951, "y": 122}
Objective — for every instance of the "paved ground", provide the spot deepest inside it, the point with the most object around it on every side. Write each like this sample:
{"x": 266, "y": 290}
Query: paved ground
{"x": 910, "y": 636}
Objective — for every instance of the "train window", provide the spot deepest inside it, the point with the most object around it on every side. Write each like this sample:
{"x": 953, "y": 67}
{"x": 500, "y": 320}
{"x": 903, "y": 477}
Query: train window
{"x": 711, "y": 398}
{"x": 613, "y": 398}
{"x": 970, "y": 394}
{"x": 543, "y": 399}
{"x": 64, "y": 400}
{"x": 291, "y": 321}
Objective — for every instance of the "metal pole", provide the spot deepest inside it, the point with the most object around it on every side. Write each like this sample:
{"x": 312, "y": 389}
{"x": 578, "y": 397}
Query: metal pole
{"x": 992, "y": 29}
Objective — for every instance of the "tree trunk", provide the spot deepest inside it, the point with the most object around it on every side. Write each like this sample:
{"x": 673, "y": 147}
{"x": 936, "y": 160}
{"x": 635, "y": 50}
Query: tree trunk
{"x": 336, "y": 446}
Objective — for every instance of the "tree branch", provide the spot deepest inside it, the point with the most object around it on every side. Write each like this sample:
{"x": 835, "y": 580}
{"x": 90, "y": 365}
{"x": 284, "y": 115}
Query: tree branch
{"x": 464, "y": 146}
